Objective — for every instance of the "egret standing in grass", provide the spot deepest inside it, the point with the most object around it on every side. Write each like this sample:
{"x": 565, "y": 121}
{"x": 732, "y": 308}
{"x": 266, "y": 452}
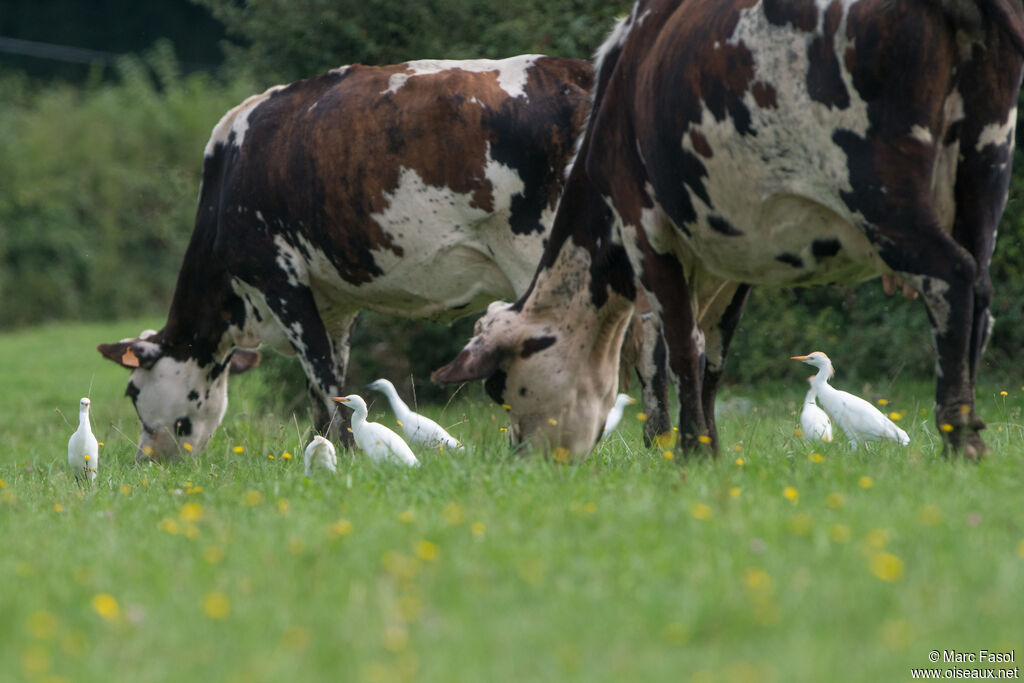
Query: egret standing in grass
{"x": 83, "y": 449}
{"x": 858, "y": 419}
{"x": 320, "y": 453}
{"x": 419, "y": 429}
{"x": 615, "y": 414}
{"x": 814, "y": 422}
{"x": 376, "y": 440}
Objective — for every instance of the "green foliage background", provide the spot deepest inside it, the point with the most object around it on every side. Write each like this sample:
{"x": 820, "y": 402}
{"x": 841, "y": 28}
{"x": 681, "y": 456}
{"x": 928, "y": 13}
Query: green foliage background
{"x": 98, "y": 183}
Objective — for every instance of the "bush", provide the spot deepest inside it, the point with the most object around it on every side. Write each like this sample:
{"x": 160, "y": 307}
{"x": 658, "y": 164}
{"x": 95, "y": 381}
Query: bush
{"x": 99, "y": 186}
{"x": 286, "y": 40}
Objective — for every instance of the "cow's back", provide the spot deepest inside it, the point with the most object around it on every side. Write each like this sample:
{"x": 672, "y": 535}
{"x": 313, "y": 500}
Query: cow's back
{"x": 368, "y": 173}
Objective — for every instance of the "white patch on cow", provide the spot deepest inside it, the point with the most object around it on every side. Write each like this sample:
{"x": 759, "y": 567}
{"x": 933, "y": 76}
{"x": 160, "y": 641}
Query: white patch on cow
{"x": 615, "y": 40}
{"x": 237, "y": 121}
{"x": 921, "y": 134}
{"x": 934, "y": 293}
{"x": 946, "y": 159}
{"x": 512, "y": 72}
{"x": 290, "y": 260}
{"x": 456, "y": 256}
{"x": 792, "y": 173}
{"x": 999, "y": 134}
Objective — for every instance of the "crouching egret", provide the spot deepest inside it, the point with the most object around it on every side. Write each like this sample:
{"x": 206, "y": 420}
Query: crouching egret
{"x": 419, "y": 429}
{"x": 615, "y": 414}
{"x": 320, "y": 453}
{"x": 376, "y": 440}
{"x": 83, "y": 449}
{"x": 858, "y": 419}
{"x": 814, "y": 422}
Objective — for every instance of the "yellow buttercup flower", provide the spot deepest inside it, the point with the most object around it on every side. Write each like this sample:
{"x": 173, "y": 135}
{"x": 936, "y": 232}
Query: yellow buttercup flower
{"x": 213, "y": 554}
{"x": 930, "y": 514}
{"x": 216, "y": 605}
{"x": 238, "y": 449}
{"x": 701, "y": 511}
{"x": 342, "y": 527}
{"x": 704, "y": 439}
{"x": 427, "y": 551}
{"x": 840, "y": 533}
{"x": 834, "y": 500}
{"x": 668, "y": 455}
{"x": 887, "y": 567}
{"x": 665, "y": 440}
{"x": 191, "y": 512}
{"x": 865, "y": 482}
{"x": 815, "y": 457}
{"x": 105, "y": 605}
{"x": 791, "y": 494}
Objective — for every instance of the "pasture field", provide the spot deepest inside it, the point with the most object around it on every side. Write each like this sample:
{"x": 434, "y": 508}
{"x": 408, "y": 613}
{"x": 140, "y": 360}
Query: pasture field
{"x": 779, "y": 561}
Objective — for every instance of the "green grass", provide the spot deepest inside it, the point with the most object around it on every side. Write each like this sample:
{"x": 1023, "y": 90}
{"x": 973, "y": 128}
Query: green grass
{"x": 486, "y": 565}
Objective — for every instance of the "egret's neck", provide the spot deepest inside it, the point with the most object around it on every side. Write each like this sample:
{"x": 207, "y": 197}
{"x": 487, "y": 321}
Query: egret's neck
{"x": 811, "y": 393}
{"x": 83, "y": 415}
{"x": 820, "y": 385}
{"x": 358, "y": 415}
{"x": 398, "y": 406}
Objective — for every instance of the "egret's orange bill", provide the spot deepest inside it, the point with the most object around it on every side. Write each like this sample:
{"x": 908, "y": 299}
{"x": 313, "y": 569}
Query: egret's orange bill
{"x": 799, "y": 357}
{"x": 340, "y": 399}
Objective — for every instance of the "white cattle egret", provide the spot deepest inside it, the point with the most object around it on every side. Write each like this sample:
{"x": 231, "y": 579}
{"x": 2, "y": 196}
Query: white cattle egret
{"x": 320, "y": 453}
{"x": 858, "y": 419}
{"x": 83, "y": 449}
{"x": 419, "y": 429}
{"x": 615, "y": 414}
{"x": 379, "y": 442}
{"x": 814, "y": 422}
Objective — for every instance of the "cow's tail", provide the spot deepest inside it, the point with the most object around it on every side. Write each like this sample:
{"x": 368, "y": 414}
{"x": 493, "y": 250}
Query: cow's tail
{"x": 1007, "y": 15}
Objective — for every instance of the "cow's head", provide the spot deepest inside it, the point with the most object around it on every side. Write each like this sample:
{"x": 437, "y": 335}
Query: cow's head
{"x": 555, "y": 371}
{"x": 179, "y": 402}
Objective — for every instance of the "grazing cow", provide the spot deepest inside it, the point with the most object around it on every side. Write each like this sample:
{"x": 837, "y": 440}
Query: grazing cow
{"x": 424, "y": 190}
{"x": 771, "y": 142}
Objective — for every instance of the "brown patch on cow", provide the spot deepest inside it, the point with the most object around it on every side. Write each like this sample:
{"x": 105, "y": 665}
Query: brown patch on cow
{"x": 824, "y": 81}
{"x": 801, "y": 13}
{"x": 764, "y": 94}
{"x": 319, "y": 155}
{"x": 701, "y": 145}
{"x": 535, "y": 345}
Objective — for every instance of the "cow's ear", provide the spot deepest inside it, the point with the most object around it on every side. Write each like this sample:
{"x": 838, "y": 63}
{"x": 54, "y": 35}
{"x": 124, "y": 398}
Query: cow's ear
{"x": 476, "y": 361}
{"x": 132, "y": 353}
{"x": 244, "y": 360}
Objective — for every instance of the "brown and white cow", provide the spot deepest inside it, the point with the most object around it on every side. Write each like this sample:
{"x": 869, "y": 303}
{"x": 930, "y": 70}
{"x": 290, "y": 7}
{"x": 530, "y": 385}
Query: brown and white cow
{"x": 424, "y": 190}
{"x": 777, "y": 142}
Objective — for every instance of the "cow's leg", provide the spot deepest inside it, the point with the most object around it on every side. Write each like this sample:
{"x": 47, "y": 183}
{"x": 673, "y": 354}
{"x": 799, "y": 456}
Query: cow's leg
{"x": 665, "y": 281}
{"x": 983, "y": 172}
{"x": 651, "y": 369}
{"x": 336, "y": 416}
{"x": 720, "y": 331}
{"x": 322, "y": 352}
{"x": 945, "y": 275}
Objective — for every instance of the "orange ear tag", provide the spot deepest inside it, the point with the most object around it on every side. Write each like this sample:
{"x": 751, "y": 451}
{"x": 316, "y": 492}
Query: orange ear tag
{"x": 129, "y": 359}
